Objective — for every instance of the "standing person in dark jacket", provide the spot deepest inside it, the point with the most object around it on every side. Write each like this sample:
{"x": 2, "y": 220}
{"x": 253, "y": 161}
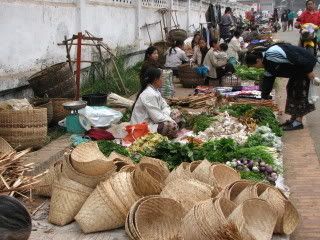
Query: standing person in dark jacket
{"x": 150, "y": 61}
{"x": 226, "y": 24}
{"x": 284, "y": 20}
{"x": 287, "y": 61}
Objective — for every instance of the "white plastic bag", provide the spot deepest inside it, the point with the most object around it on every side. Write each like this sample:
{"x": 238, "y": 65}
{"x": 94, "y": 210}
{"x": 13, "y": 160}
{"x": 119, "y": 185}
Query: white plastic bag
{"x": 98, "y": 117}
{"x": 312, "y": 95}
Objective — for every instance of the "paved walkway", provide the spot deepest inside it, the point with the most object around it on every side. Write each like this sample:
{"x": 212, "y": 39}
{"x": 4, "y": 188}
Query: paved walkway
{"x": 302, "y": 175}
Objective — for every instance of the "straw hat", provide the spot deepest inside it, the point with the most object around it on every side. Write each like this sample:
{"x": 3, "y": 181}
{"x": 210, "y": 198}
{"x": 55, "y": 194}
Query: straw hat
{"x": 162, "y": 165}
{"x": 205, "y": 219}
{"x": 159, "y": 219}
{"x": 187, "y": 192}
{"x": 255, "y": 219}
{"x": 180, "y": 172}
{"x": 87, "y": 158}
{"x": 287, "y": 215}
{"x": 98, "y": 213}
{"x": 67, "y": 198}
{"x": 148, "y": 179}
{"x": 87, "y": 180}
{"x": 44, "y": 188}
{"x": 240, "y": 191}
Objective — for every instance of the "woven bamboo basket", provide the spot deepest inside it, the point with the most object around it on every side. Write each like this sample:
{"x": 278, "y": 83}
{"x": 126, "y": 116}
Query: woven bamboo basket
{"x": 59, "y": 113}
{"x": 162, "y": 47}
{"x": 87, "y": 158}
{"x": 255, "y": 219}
{"x": 56, "y": 81}
{"x": 180, "y": 172}
{"x": 48, "y": 105}
{"x": 205, "y": 219}
{"x": 67, "y": 199}
{"x": 99, "y": 214}
{"x": 87, "y": 180}
{"x": 5, "y": 147}
{"x": 188, "y": 76}
{"x": 25, "y": 128}
{"x": 177, "y": 34}
{"x": 44, "y": 188}
{"x": 159, "y": 218}
{"x": 187, "y": 192}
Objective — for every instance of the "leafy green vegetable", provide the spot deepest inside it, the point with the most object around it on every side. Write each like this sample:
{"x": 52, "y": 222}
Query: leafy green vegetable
{"x": 254, "y": 153}
{"x": 219, "y": 150}
{"x": 107, "y": 147}
{"x": 254, "y": 176}
{"x": 237, "y": 110}
{"x": 249, "y": 73}
{"x": 257, "y": 139}
{"x": 126, "y": 116}
{"x": 200, "y": 122}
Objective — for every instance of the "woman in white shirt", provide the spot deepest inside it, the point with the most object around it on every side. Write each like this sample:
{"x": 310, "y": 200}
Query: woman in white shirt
{"x": 234, "y": 48}
{"x": 151, "y": 107}
{"x": 175, "y": 56}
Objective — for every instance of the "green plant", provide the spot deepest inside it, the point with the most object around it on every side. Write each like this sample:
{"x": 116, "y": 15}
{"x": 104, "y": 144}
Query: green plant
{"x": 254, "y": 153}
{"x": 112, "y": 82}
{"x": 107, "y": 147}
{"x": 201, "y": 122}
{"x": 249, "y": 73}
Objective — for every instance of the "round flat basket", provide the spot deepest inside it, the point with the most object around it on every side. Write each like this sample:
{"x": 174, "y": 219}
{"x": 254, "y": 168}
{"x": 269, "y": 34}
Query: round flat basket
{"x": 177, "y": 34}
{"x": 188, "y": 76}
{"x": 56, "y": 81}
{"x": 25, "y": 128}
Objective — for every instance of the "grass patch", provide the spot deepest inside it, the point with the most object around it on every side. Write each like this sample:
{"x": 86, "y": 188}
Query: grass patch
{"x": 112, "y": 83}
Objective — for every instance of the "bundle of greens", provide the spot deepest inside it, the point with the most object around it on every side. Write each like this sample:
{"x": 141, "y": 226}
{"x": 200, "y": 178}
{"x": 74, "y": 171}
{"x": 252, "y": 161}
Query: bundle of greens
{"x": 199, "y": 123}
{"x": 107, "y": 147}
{"x": 249, "y": 73}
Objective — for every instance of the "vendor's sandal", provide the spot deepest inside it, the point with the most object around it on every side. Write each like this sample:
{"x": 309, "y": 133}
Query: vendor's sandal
{"x": 286, "y": 123}
{"x": 295, "y": 125}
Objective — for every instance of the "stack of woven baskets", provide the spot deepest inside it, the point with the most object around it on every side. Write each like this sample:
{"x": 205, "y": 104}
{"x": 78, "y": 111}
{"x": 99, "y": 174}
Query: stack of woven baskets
{"x": 197, "y": 200}
{"x": 24, "y": 128}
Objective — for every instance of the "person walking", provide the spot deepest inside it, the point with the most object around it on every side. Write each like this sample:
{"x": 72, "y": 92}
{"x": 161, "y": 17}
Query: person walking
{"x": 291, "y": 16}
{"x": 226, "y": 24}
{"x": 284, "y": 20}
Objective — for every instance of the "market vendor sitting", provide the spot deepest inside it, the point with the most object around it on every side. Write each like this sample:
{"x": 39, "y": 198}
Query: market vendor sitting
{"x": 175, "y": 56}
{"x": 150, "y": 61}
{"x": 151, "y": 107}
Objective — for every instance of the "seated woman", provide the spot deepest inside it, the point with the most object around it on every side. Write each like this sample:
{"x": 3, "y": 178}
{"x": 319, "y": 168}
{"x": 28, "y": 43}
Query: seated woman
{"x": 15, "y": 221}
{"x": 235, "y": 49}
{"x": 150, "y": 107}
{"x": 217, "y": 61}
{"x": 287, "y": 61}
{"x": 200, "y": 52}
{"x": 175, "y": 56}
{"x": 150, "y": 61}
{"x": 195, "y": 40}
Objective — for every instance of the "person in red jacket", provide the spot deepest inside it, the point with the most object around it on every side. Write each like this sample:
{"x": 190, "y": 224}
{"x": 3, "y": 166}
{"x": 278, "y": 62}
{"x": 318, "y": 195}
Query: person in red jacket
{"x": 310, "y": 15}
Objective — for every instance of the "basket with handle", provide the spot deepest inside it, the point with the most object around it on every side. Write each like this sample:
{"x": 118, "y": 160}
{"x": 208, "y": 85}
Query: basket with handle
{"x": 188, "y": 76}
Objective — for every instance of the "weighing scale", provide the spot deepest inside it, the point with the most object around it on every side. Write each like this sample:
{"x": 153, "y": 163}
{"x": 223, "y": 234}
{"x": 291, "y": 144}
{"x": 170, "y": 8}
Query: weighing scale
{"x": 72, "y": 120}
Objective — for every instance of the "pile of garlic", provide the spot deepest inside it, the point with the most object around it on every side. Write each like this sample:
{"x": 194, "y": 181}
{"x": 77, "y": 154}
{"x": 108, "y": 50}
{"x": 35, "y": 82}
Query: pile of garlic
{"x": 225, "y": 126}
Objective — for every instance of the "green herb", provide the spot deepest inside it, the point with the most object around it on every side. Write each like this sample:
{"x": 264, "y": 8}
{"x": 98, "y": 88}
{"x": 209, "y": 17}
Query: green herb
{"x": 257, "y": 139}
{"x": 237, "y": 110}
{"x": 254, "y": 153}
{"x": 249, "y": 73}
{"x": 200, "y": 122}
{"x": 254, "y": 176}
{"x": 107, "y": 147}
{"x": 126, "y": 116}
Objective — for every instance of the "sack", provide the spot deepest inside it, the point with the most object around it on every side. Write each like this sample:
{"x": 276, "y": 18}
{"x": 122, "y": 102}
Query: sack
{"x": 167, "y": 89}
{"x": 312, "y": 95}
{"x": 136, "y": 131}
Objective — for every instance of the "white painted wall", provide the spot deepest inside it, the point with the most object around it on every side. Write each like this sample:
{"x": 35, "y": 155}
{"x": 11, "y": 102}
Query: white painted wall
{"x": 31, "y": 29}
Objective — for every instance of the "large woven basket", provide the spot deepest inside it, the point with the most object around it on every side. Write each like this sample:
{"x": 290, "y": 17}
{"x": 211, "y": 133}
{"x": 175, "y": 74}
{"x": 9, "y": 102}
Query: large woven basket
{"x": 177, "y": 34}
{"x": 188, "y": 77}
{"x": 162, "y": 47}
{"x": 24, "y": 128}
{"x": 59, "y": 113}
{"x": 56, "y": 81}
{"x": 67, "y": 199}
{"x": 48, "y": 105}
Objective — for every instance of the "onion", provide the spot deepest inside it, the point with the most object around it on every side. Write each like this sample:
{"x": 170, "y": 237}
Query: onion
{"x": 262, "y": 168}
{"x": 250, "y": 164}
{"x": 245, "y": 162}
{"x": 233, "y": 164}
{"x": 274, "y": 175}
{"x": 262, "y": 164}
{"x": 239, "y": 163}
{"x": 269, "y": 169}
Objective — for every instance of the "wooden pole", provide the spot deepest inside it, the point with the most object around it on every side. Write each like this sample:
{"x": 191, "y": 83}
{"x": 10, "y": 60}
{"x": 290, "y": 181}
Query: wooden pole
{"x": 78, "y": 65}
